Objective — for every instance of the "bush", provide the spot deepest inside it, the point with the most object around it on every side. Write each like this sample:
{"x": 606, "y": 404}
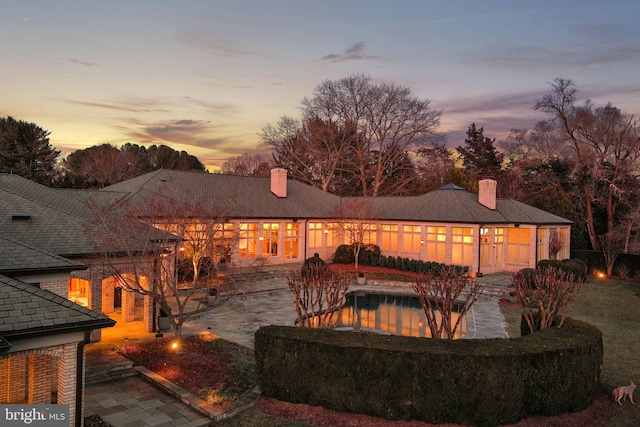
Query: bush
{"x": 391, "y": 262}
{"x": 314, "y": 265}
{"x": 574, "y": 266}
{"x": 344, "y": 255}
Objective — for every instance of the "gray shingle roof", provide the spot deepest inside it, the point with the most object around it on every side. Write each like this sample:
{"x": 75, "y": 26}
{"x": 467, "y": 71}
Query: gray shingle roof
{"x": 250, "y": 197}
{"x": 16, "y": 258}
{"x": 61, "y": 222}
{"x": 239, "y": 196}
{"x": 28, "y": 311}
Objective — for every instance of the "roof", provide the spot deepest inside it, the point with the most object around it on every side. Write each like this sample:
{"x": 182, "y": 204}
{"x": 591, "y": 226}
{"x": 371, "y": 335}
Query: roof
{"x": 246, "y": 197}
{"x": 58, "y": 222}
{"x": 17, "y": 258}
{"x": 29, "y": 311}
{"x": 239, "y": 196}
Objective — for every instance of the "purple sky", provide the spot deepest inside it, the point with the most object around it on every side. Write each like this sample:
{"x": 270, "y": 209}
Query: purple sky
{"x": 206, "y": 76}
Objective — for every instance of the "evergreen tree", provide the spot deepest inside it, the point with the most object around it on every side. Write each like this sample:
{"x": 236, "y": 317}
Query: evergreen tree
{"x": 25, "y": 150}
{"x": 479, "y": 156}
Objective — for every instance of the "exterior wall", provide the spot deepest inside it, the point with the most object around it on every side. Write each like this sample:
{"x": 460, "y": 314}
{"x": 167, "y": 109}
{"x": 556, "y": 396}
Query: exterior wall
{"x": 42, "y": 375}
{"x": 498, "y": 252}
{"x": 58, "y": 283}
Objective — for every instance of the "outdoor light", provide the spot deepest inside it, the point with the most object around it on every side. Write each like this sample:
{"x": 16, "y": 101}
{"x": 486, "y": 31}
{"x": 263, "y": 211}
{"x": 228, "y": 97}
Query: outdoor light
{"x": 174, "y": 345}
{"x": 601, "y": 275}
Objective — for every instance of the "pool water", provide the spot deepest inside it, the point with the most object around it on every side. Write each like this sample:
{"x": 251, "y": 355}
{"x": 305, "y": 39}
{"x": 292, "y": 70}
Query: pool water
{"x": 388, "y": 314}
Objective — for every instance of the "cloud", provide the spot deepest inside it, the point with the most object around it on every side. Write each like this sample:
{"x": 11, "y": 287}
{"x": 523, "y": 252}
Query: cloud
{"x": 594, "y": 45}
{"x": 355, "y": 52}
{"x": 217, "y": 46}
{"x": 81, "y": 62}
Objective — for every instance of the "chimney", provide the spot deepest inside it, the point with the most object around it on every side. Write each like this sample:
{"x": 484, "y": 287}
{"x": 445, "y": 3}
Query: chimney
{"x": 279, "y": 182}
{"x": 487, "y": 193}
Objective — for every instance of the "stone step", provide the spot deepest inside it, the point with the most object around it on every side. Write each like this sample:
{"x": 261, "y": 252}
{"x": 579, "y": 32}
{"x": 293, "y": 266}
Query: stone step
{"x": 95, "y": 378}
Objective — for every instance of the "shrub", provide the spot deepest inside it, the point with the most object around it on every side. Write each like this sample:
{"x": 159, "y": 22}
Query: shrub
{"x": 382, "y": 261}
{"x": 391, "y": 262}
{"x": 313, "y": 265}
{"x": 344, "y": 255}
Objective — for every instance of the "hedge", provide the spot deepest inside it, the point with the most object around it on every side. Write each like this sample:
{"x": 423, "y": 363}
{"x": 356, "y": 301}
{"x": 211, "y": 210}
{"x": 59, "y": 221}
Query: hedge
{"x": 476, "y": 382}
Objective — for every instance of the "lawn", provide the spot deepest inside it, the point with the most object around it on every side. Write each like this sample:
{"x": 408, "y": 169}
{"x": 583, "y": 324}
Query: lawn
{"x": 611, "y": 305}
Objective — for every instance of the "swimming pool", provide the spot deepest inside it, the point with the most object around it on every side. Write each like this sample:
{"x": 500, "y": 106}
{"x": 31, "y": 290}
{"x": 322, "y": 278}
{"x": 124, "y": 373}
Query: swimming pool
{"x": 395, "y": 314}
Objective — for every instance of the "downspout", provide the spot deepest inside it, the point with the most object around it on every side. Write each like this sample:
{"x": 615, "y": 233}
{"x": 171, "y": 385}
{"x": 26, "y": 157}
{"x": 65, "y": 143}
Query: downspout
{"x": 80, "y": 378}
{"x": 306, "y": 242}
{"x": 536, "y": 257}
{"x": 478, "y": 273}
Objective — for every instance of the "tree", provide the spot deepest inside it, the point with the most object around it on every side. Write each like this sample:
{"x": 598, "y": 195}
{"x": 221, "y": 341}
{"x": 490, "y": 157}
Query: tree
{"x": 318, "y": 296}
{"x": 605, "y": 146}
{"x": 313, "y": 151}
{"x": 479, "y": 156}
{"x": 355, "y": 218}
{"x": 248, "y": 165}
{"x": 143, "y": 244}
{"x": 433, "y": 164}
{"x": 25, "y": 150}
{"x": 164, "y": 157}
{"x": 444, "y": 296}
{"x": 545, "y": 294}
{"x": 103, "y": 165}
{"x": 361, "y": 129}
{"x": 544, "y": 144}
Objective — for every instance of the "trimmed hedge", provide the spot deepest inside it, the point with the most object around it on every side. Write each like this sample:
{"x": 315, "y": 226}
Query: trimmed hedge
{"x": 476, "y": 382}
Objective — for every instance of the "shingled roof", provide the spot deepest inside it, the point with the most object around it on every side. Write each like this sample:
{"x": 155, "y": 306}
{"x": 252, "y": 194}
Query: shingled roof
{"x": 239, "y": 196}
{"x": 17, "y": 258}
{"x": 58, "y": 222}
{"x": 250, "y": 197}
{"x": 30, "y": 311}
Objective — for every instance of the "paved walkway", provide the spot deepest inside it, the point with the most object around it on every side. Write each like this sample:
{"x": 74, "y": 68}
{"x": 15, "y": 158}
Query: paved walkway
{"x": 131, "y": 402}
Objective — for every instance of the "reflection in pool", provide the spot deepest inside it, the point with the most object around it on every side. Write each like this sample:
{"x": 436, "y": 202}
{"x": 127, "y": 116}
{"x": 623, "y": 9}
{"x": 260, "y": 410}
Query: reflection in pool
{"x": 391, "y": 314}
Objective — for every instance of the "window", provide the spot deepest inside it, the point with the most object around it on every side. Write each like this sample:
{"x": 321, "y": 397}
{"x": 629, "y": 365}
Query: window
{"x": 389, "y": 237}
{"x": 333, "y": 234}
{"x": 291, "y": 240}
{"x": 411, "y": 238}
{"x": 365, "y": 232}
{"x": 518, "y": 244}
{"x": 79, "y": 291}
{"x": 222, "y": 240}
{"x": 270, "y": 239}
{"x": 248, "y": 240}
{"x": 462, "y": 245}
{"x": 436, "y": 244}
{"x": 316, "y": 233}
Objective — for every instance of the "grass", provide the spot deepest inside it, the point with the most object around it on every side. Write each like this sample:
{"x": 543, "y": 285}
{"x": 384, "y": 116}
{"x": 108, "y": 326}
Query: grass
{"x": 611, "y": 305}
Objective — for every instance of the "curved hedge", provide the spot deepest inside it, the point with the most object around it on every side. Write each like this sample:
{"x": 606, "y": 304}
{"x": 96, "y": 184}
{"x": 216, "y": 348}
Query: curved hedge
{"x": 476, "y": 382}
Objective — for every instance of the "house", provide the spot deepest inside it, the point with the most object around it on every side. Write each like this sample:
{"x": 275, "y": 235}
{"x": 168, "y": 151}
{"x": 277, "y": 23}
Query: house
{"x": 42, "y": 339}
{"x": 63, "y": 223}
{"x": 279, "y": 221}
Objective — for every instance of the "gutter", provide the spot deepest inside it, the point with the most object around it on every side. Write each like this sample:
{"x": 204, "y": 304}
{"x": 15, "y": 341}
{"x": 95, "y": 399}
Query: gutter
{"x": 80, "y": 378}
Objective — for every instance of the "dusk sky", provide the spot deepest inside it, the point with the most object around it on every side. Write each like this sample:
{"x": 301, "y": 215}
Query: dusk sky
{"x": 206, "y": 76}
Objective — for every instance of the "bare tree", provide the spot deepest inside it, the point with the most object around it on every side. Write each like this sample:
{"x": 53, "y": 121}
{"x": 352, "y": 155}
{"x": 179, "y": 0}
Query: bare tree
{"x": 444, "y": 296}
{"x": 362, "y": 127}
{"x": 355, "y": 219}
{"x": 143, "y": 242}
{"x": 545, "y": 294}
{"x": 543, "y": 144}
{"x": 612, "y": 244}
{"x": 248, "y": 165}
{"x": 606, "y": 149}
{"x": 434, "y": 162}
{"x": 319, "y": 294}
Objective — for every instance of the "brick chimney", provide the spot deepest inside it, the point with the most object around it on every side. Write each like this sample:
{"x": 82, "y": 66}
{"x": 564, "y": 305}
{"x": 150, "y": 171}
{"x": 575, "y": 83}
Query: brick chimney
{"x": 279, "y": 182}
{"x": 487, "y": 193}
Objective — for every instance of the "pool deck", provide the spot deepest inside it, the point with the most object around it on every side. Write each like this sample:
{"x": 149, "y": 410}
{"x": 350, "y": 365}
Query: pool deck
{"x": 270, "y": 302}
